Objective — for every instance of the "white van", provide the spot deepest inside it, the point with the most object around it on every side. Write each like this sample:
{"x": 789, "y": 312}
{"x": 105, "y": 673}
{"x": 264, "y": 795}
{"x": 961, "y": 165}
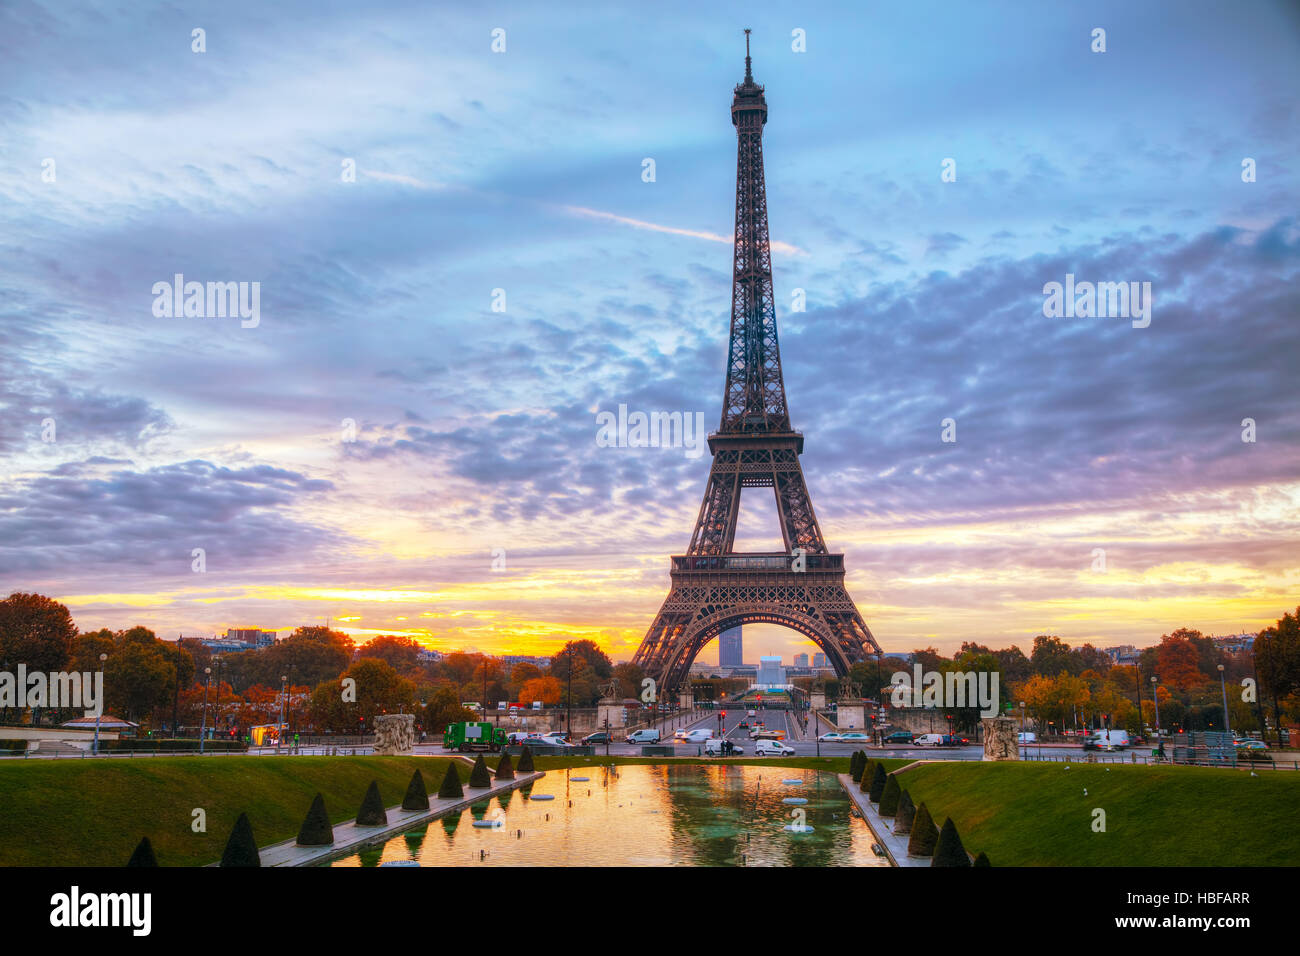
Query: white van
{"x": 928, "y": 740}
{"x": 1108, "y": 740}
{"x": 696, "y": 736}
{"x": 646, "y": 736}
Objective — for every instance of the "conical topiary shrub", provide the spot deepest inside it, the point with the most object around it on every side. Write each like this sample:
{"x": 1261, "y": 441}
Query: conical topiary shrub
{"x": 868, "y": 771}
{"x": 504, "y": 769}
{"x": 949, "y": 851}
{"x": 479, "y": 776}
{"x": 241, "y": 848}
{"x": 143, "y": 854}
{"x": 924, "y": 834}
{"x": 855, "y": 765}
{"x": 450, "y": 783}
{"x": 905, "y": 815}
{"x": 316, "y": 829}
{"x": 526, "y": 762}
{"x": 981, "y": 860}
{"x": 372, "y": 812}
{"x": 417, "y": 798}
{"x": 877, "y": 784}
{"x": 889, "y": 798}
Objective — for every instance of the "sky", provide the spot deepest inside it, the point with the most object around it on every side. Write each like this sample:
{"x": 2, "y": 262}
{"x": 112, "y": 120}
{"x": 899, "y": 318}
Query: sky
{"x": 500, "y": 269}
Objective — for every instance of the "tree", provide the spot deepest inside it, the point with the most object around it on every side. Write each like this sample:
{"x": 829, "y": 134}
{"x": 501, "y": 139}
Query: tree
{"x": 526, "y": 761}
{"x": 504, "y": 770}
{"x": 877, "y": 784}
{"x": 316, "y": 829}
{"x": 478, "y": 776}
{"x": 1052, "y": 656}
{"x": 949, "y": 850}
{"x": 545, "y": 689}
{"x": 310, "y": 655}
{"x": 379, "y": 690}
{"x": 629, "y": 677}
{"x": 35, "y": 631}
{"x": 417, "y": 798}
{"x": 402, "y": 654}
{"x": 451, "y": 787}
{"x": 1277, "y": 661}
{"x": 890, "y": 796}
{"x": 241, "y": 848}
{"x": 523, "y": 672}
{"x": 143, "y": 854}
{"x": 905, "y": 815}
{"x": 372, "y": 812}
{"x": 586, "y": 651}
{"x": 982, "y": 860}
{"x": 924, "y": 834}
{"x": 1178, "y": 661}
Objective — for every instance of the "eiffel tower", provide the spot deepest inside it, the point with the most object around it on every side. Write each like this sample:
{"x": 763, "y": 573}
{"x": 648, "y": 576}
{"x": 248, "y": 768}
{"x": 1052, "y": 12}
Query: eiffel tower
{"x": 713, "y": 587}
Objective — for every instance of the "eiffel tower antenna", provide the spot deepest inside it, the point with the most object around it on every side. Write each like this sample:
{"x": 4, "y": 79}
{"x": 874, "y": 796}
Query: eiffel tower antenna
{"x": 713, "y": 587}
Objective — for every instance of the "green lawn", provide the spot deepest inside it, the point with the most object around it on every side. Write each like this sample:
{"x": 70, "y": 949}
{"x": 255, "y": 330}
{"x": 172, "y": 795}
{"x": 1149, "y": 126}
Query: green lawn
{"x": 1036, "y": 814}
{"x": 93, "y": 812}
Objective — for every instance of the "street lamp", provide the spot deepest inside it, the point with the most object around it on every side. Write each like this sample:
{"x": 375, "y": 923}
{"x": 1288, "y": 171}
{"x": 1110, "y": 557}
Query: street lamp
{"x": 1227, "y": 728}
{"x": 279, "y": 731}
{"x": 203, "y": 723}
{"x": 100, "y": 709}
{"x": 1155, "y": 698}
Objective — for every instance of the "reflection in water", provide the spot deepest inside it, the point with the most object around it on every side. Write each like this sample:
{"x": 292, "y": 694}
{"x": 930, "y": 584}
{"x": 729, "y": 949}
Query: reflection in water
{"x": 660, "y": 815}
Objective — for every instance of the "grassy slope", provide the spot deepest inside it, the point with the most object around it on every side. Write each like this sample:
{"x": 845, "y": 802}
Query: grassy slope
{"x": 93, "y": 812}
{"x": 1032, "y": 814}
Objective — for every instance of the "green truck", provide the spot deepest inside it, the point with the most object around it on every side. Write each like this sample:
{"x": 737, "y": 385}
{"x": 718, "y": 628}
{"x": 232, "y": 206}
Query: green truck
{"x": 473, "y": 735}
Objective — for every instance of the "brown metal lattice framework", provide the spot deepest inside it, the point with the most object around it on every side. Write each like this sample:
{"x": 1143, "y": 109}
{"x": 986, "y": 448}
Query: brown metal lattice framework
{"x": 713, "y": 587}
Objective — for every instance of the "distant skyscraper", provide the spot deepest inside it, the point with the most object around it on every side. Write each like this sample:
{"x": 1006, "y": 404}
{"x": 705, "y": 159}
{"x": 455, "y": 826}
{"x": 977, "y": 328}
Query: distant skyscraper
{"x": 801, "y": 660}
{"x": 819, "y": 660}
{"x": 770, "y": 672}
{"x": 731, "y": 650}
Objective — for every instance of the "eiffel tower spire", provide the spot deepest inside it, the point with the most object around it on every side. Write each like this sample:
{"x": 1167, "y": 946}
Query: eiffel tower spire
{"x": 713, "y": 587}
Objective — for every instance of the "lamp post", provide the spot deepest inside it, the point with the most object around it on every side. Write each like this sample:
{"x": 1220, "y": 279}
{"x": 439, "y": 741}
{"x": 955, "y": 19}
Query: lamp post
{"x": 568, "y": 720}
{"x": 1155, "y": 699}
{"x": 203, "y": 722}
{"x": 100, "y": 709}
{"x": 279, "y": 731}
{"x": 1227, "y": 727}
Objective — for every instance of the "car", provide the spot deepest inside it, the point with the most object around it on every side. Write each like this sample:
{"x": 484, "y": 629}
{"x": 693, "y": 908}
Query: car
{"x": 768, "y": 735}
{"x": 1026, "y": 737}
{"x": 698, "y": 735}
{"x": 648, "y": 735}
{"x": 719, "y": 747}
{"x": 517, "y": 737}
{"x": 854, "y": 736}
{"x": 751, "y": 713}
{"x": 828, "y": 738}
{"x": 772, "y": 748}
{"x": 599, "y": 737}
{"x": 1252, "y": 745}
{"x": 900, "y": 737}
{"x": 743, "y": 725}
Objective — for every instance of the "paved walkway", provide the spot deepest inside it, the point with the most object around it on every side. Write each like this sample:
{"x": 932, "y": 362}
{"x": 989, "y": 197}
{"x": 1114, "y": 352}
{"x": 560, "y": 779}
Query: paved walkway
{"x": 895, "y": 845}
{"x": 348, "y": 836}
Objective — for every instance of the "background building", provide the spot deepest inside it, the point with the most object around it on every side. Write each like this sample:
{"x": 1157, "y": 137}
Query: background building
{"x": 801, "y": 660}
{"x": 819, "y": 660}
{"x": 731, "y": 649}
{"x": 770, "y": 673}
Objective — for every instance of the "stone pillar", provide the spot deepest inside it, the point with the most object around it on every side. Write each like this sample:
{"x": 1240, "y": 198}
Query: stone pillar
{"x": 817, "y": 699}
{"x": 851, "y": 714}
{"x": 612, "y": 711}
{"x": 394, "y": 733}
{"x": 686, "y": 700}
{"x": 1000, "y": 739}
